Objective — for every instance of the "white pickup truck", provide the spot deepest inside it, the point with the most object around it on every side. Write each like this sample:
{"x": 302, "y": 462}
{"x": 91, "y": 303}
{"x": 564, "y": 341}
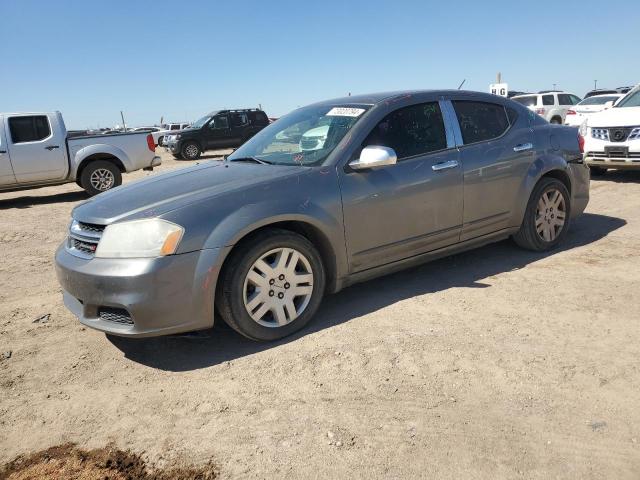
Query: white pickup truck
{"x": 36, "y": 150}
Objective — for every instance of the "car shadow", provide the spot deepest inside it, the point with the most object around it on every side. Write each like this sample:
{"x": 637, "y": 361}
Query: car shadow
{"x": 466, "y": 270}
{"x": 619, "y": 176}
{"x": 28, "y": 201}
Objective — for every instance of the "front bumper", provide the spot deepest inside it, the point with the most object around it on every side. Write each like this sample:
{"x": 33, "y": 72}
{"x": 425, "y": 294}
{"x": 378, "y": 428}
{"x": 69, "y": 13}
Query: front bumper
{"x": 599, "y": 159}
{"x": 163, "y": 295}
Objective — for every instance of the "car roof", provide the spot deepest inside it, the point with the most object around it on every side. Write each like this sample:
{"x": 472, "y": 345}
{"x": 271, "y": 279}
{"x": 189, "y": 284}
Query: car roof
{"x": 381, "y": 97}
{"x": 612, "y": 94}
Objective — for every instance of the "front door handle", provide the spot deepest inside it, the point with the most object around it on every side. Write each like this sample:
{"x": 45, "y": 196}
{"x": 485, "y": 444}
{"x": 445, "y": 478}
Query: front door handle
{"x": 438, "y": 167}
{"x": 51, "y": 147}
{"x": 522, "y": 147}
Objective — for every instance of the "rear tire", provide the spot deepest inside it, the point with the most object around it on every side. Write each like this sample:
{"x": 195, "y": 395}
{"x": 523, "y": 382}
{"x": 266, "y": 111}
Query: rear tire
{"x": 546, "y": 218}
{"x": 190, "y": 151}
{"x": 556, "y": 121}
{"x": 597, "y": 171}
{"x": 100, "y": 176}
{"x": 271, "y": 286}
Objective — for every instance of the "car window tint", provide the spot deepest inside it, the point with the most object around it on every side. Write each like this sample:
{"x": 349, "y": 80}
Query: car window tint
{"x": 512, "y": 115}
{"x": 547, "y": 100}
{"x": 480, "y": 121}
{"x": 528, "y": 101}
{"x": 29, "y": 128}
{"x": 239, "y": 119}
{"x": 565, "y": 99}
{"x": 575, "y": 100}
{"x": 411, "y": 131}
{"x": 219, "y": 122}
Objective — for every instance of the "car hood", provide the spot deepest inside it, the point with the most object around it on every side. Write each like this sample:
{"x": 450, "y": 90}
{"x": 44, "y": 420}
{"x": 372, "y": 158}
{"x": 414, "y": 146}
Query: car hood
{"x": 163, "y": 193}
{"x": 616, "y": 117}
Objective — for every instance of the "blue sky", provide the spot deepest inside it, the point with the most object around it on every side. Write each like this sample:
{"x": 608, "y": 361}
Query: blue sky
{"x": 181, "y": 59}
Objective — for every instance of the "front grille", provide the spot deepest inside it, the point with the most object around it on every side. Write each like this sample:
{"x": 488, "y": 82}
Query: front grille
{"x": 619, "y": 134}
{"x": 115, "y": 315}
{"x": 86, "y": 247}
{"x": 84, "y": 238}
{"x": 90, "y": 227}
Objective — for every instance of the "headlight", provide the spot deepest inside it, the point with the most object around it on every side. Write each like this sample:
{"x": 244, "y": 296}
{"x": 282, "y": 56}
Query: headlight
{"x": 139, "y": 238}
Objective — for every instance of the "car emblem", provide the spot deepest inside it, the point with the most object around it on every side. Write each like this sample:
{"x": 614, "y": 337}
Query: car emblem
{"x": 618, "y": 135}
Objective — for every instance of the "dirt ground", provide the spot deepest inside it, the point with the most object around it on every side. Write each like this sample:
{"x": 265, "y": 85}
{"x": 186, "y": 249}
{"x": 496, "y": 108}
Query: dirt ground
{"x": 497, "y": 363}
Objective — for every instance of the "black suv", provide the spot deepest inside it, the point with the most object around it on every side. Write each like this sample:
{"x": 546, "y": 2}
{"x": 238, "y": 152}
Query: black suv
{"x": 220, "y": 129}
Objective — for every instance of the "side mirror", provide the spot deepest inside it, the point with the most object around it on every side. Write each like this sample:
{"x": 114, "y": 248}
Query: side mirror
{"x": 609, "y": 104}
{"x": 374, "y": 156}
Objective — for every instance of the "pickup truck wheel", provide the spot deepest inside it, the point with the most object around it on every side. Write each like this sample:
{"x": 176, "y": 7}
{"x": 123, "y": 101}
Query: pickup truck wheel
{"x": 546, "y": 219}
{"x": 100, "y": 176}
{"x": 271, "y": 286}
{"x": 597, "y": 171}
{"x": 190, "y": 151}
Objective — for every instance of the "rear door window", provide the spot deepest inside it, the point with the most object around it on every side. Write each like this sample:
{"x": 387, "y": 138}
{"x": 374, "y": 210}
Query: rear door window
{"x": 564, "y": 99}
{"x": 411, "y": 131}
{"x": 239, "y": 119}
{"x": 528, "y": 101}
{"x": 30, "y": 128}
{"x": 219, "y": 122}
{"x": 548, "y": 100}
{"x": 480, "y": 121}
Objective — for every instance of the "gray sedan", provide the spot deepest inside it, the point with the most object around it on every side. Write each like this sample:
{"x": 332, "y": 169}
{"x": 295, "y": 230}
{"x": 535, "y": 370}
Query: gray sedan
{"x": 392, "y": 180}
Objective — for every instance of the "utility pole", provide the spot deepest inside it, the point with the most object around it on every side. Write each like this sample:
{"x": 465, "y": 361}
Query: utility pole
{"x": 498, "y": 78}
{"x": 595, "y": 84}
{"x": 124, "y": 125}
{"x": 554, "y": 86}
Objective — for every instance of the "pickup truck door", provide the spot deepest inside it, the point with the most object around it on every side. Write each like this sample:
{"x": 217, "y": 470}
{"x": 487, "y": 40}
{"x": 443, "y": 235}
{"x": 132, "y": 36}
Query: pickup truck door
{"x": 37, "y": 148}
{"x": 496, "y": 149}
{"x": 6, "y": 172}
{"x": 402, "y": 210}
{"x": 217, "y": 133}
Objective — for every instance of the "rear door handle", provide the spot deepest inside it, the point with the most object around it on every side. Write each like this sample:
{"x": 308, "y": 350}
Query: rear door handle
{"x": 51, "y": 147}
{"x": 438, "y": 167}
{"x": 522, "y": 147}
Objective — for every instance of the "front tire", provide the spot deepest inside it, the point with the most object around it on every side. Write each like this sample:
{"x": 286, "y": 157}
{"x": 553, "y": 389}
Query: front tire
{"x": 190, "y": 151}
{"x": 271, "y": 286}
{"x": 100, "y": 176}
{"x": 177, "y": 156}
{"x": 546, "y": 218}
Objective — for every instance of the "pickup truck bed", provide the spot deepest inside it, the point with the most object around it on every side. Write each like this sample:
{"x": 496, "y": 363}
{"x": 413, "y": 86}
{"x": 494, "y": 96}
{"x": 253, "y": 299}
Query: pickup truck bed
{"x": 36, "y": 150}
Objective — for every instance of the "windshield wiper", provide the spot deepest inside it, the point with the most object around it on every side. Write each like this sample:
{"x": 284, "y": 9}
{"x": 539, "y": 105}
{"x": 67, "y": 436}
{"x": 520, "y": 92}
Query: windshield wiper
{"x": 252, "y": 159}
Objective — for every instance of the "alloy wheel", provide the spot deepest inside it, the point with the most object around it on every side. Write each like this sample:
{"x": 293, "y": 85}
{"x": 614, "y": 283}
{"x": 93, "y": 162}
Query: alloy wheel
{"x": 102, "y": 179}
{"x": 278, "y": 287}
{"x": 191, "y": 151}
{"x": 551, "y": 214}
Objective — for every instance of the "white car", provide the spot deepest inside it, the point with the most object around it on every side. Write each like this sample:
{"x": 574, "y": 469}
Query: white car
{"x": 314, "y": 139}
{"x": 577, "y": 115}
{"x": 158, "y": 136}
{"x": 612, "y": 137}
{"x": 552, "y": 106}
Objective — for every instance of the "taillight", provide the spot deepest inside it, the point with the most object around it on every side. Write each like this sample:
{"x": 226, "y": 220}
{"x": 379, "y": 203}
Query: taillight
{"x": 540, "y": 111}
{"x": 571, "y": 112}
{"x": 581, "y": 143}
{"x": 150, "y": 143}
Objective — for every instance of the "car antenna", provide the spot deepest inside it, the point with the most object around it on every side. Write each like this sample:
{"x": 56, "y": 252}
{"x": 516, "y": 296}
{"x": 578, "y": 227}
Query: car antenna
{"x": 460, "y": 86}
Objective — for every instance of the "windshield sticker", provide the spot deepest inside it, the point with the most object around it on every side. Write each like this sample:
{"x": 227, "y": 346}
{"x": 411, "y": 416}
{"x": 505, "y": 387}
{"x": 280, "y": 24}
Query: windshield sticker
{"x": 345, "y": 112}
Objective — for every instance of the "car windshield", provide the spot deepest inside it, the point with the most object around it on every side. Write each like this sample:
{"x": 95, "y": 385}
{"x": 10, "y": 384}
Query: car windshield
{"x": 303, "y": 137}
{"x": 200, "y": 122}
{"x": 631, "y": 100}
{"x": 599, "y": 100}
{"x": 529, "y": 101}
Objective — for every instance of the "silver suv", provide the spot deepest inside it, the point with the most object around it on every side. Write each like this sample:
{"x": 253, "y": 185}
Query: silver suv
{"x": 550, "y": 105}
